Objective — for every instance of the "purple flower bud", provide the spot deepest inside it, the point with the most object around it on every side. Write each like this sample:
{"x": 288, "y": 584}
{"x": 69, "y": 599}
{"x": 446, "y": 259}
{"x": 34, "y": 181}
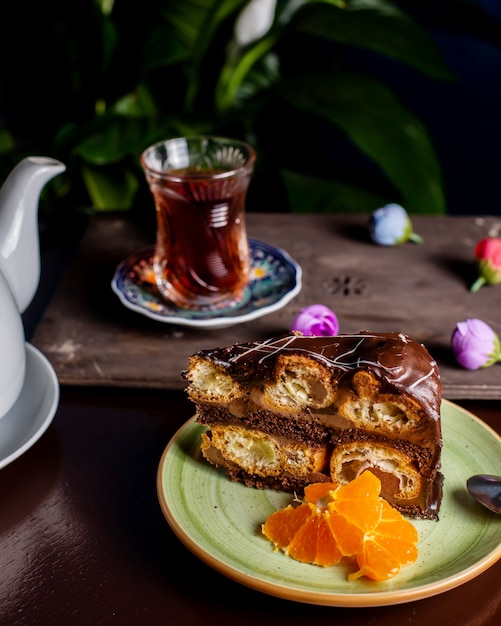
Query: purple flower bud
{"x": 475, "y": 345}
{"x": 316, "y": 319}
{"x": 390, "y": 226}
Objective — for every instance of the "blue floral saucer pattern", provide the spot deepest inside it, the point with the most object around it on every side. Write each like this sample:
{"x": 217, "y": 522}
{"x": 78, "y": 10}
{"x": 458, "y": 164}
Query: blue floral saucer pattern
{"x": 275, "y": 278}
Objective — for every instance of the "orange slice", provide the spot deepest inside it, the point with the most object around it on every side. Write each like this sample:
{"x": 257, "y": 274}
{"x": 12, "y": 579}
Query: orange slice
{"x": 317, "y": 493}
{"x": 314, "y": 543}
{"x": 359, "y": 502}
{"x": 367, "y": 485}
{"x": 282, "y": 525}
{"x": 349, "y": 538}
{"x": 391, "y": 544}
{"x": 345, "y": 521}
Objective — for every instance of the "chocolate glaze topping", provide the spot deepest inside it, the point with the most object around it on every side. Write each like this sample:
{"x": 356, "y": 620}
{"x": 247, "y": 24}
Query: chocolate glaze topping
{"x": 395, "y": 359}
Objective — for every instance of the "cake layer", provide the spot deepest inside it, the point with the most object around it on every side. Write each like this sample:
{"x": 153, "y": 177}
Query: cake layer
{"x": 265, "y": 461}
{"x": 369, "y": 400}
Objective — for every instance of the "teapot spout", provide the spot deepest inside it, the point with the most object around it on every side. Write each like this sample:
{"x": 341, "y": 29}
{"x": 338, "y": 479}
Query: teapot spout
{"x": 19, "y": 236}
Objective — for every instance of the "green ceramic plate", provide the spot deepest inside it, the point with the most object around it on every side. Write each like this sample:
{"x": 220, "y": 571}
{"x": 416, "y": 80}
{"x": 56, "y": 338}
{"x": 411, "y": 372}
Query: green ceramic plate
{"x": 220, "y": 522}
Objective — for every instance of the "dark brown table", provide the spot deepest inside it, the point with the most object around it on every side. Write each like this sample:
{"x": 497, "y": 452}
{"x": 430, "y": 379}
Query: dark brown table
{"x": 82, "y": 536}
{"x": 422, "y": 290}
{"x": 83, "y": 540}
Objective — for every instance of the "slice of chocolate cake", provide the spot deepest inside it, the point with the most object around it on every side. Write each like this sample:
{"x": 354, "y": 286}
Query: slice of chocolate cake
{"x": 293, "y": 410}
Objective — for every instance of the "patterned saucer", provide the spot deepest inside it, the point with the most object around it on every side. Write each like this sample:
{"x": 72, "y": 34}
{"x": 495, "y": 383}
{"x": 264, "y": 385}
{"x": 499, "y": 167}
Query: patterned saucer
{"x": 275, "y": 279}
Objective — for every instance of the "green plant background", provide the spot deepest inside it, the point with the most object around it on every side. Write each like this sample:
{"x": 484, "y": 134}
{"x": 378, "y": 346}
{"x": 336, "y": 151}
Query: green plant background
{"x": 118, "y": 76}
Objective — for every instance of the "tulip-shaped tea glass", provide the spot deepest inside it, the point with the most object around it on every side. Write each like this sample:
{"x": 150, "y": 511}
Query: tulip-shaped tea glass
{"x": 199, "y": 186}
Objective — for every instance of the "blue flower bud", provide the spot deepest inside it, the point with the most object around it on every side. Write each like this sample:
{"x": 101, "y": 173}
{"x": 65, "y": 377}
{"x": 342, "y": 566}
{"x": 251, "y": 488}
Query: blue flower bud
{"x": 391, "y": 226}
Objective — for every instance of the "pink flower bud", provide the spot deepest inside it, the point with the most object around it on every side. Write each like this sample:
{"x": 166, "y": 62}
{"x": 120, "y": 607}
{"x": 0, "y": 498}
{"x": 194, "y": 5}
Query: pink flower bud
{"x": 488, "y": 258}
{"x": 316, "y": 319}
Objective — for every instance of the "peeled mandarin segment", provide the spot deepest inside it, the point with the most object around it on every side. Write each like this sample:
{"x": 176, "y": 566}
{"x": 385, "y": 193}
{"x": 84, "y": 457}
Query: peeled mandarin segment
{"x": 367, "y": 485}
{"x": 391, "y": 514}
{"x": 303, "y": 546}
{"x": 383, "y": 551}
{"x": 282, "y": 525}
{"x": 364, "y": 514}
{"x": 314, "y": 543}
{"x": 316, "y": 491}
{"x": 401, "y": 531}
{"x": 349, "y": 538}
{"x": 328, "y": 552}
{"x": 393, "y": 524}
{"x": 375, "y": 563}
{"x": 404, "y": 552}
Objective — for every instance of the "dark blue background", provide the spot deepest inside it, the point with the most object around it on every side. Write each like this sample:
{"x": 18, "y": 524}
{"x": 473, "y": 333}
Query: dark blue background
{"x": 463, "y": 117}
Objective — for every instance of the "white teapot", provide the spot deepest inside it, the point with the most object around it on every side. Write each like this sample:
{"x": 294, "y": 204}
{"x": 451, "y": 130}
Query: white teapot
{"x": 19, "y": 266}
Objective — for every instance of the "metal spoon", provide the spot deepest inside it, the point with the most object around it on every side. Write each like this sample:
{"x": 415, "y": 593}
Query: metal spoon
{"x": 487, "y": 490}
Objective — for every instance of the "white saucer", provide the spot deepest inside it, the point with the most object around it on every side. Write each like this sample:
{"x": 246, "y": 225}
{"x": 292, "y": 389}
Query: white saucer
{"x": 33, "y": 411}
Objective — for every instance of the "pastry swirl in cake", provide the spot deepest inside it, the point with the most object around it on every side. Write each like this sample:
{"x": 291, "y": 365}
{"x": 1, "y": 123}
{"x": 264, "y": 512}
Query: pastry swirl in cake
{"x": 292, "y": 410}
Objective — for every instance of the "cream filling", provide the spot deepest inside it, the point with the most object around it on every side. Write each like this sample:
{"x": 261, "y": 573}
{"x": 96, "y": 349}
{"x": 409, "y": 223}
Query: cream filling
{"x": 349, "y": 461}
{"x": 264, "y": 455}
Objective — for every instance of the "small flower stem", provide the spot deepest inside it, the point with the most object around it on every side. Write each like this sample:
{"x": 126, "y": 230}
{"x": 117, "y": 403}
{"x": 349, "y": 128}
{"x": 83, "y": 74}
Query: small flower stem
{"x": 477, "y": 284}
{"x": 415, "y": 238}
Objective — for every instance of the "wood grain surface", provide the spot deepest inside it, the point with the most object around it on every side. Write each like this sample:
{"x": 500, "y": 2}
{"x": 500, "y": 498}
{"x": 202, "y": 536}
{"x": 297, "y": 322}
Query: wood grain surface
{"x": 419, "y": 289}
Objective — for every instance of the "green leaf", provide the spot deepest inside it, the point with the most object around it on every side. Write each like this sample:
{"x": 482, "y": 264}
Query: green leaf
{"x": 164, "y": 46}
{"x": 313, "y": 195}
{"x": 139, "y": 103}
{"x": 184, "y": 32}
{"x": 7, "y": 142}
{"x": 106, "y": 6}
{"x": 286, "y": 11}
{"x": 110, "y": 39}
{"x": 381, "y": 127}
{"x": 113, "y": 139}
{"x": 378, "y": 26}
{"x": 261, "y": 76}
{"x": 214, "y": 18}
{"x": 110, "y": 188}
{"x": 186, "y": 17}
{"x": 235, "y": 72}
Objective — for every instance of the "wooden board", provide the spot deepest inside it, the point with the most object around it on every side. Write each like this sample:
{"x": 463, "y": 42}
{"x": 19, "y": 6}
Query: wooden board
{"x": 419, "y": 289}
